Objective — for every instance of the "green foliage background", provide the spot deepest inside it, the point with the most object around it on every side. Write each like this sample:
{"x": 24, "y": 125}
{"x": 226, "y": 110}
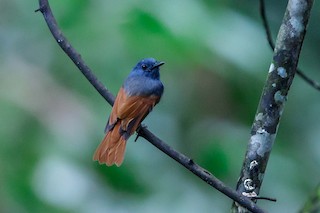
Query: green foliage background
{"x": 217, "y": 59}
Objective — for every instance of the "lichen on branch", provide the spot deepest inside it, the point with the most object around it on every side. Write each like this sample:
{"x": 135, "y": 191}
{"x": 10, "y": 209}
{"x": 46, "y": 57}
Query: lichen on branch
{"x": 273, "y": 98}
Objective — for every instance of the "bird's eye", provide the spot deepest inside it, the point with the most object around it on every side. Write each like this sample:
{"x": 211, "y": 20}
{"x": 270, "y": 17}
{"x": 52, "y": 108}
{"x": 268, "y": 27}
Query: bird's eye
{"x": 144, "y": 67}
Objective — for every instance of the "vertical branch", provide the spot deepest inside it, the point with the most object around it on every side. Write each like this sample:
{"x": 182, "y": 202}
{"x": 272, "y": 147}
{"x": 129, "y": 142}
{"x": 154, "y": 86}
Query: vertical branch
{"x": 307, "y": 79}
{"x": 274, "y": 95}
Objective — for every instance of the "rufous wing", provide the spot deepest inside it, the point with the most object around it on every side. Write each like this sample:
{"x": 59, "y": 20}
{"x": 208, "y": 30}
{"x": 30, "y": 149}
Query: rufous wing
{"x": 127, "y": 114}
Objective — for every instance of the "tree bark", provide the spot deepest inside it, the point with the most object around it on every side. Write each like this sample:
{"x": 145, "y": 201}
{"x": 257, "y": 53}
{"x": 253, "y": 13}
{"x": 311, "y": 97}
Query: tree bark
{"x": 274, "y": 95}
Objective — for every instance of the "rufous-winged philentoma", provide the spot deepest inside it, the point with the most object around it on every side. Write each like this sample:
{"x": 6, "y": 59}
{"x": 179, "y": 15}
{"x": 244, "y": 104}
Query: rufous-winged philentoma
{"x": 140, "y": 92}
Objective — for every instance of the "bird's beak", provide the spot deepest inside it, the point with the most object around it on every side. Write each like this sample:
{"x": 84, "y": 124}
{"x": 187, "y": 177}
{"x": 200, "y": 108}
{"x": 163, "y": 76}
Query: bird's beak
{"x": 158, "y": 64}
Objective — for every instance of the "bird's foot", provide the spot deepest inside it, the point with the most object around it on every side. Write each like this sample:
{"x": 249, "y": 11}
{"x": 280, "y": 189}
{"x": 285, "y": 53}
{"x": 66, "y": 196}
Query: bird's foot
{"x": 139, "y": 129}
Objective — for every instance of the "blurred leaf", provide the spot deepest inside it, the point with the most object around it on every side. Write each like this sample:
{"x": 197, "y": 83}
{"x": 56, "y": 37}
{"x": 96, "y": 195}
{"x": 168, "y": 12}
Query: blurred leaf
{"x": 213, "y": 157}
{"x": 123, "y": 180}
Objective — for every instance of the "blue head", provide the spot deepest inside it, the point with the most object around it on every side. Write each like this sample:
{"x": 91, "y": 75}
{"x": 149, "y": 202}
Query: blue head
{"x": 147, "y": 67}
{"x": 144, "y": 79}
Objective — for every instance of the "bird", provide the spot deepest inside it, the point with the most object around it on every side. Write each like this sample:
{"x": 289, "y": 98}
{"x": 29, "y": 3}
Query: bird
{"x": 139, "y": 93}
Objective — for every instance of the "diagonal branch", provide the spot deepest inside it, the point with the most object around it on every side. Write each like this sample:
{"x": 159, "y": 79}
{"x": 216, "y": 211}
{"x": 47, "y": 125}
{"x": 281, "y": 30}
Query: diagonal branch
{"x": 274, "y": 96}
{"x": 143, "y": 132}
{"x": 72, "y": 53}
{"x": 266, "y": 26}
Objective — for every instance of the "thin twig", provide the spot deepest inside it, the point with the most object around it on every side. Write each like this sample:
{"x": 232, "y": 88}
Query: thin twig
{"x": 266, "y": 24}
{"x": 310, "y": 81}
{"x": 143, "y": 132}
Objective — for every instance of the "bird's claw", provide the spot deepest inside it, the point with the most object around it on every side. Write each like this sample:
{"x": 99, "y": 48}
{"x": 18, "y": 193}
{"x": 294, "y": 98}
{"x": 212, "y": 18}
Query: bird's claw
{"x": 142, "y": 126}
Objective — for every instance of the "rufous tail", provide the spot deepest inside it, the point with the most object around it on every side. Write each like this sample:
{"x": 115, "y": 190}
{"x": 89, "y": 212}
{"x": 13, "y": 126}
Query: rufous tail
{"x": 112, "y": 148}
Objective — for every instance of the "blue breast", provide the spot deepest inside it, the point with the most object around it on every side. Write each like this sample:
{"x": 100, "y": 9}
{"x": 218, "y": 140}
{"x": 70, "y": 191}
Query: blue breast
{"x": 142, "y": 86}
